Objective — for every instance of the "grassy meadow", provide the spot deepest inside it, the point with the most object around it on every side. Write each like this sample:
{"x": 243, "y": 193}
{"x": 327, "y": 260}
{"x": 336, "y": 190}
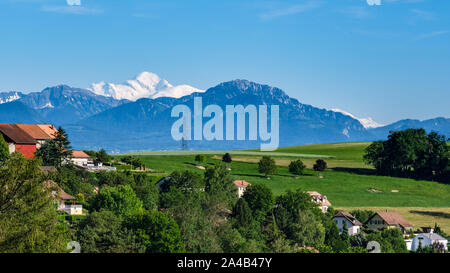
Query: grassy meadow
{"x": 348, "y": 183}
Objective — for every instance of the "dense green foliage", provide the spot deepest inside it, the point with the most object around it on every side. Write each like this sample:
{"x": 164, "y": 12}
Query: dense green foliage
{"x": 297, "y": 167}
{"x": 411, "y": 153}
{"x": 28, "y": 219}
{"x": 57, "y": 151}
{"x": 320, "y": 165}
{"x": 267, "y": 165}
{"x": 4, "y": 150}
{"x": 200, "y": 158}
{"x": 227, "y": 158}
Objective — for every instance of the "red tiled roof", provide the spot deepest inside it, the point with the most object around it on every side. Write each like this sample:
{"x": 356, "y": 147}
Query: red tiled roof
{"x": 16, "y": 134}
{"x": 34, "y": 131}
{"x": 241, "y": 183}
{"x": 80, "y": 154}
{"x": 393, "y": 219}
{"x": 48, "y": 129}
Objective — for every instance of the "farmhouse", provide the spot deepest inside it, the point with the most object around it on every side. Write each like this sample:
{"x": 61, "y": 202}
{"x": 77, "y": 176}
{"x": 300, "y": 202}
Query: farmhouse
{"x": 81, "y": 159}
{"x": 241, "y": 186}
{"x": 428, "y": 239}
{"x": 345, "y": 219}
{"x": 18, "y": 140}
{"x": 35, "y": 132}
{"x": 321, "y": 200}
{"x": 66, "y": 202}
{"x": 383, "y": 220}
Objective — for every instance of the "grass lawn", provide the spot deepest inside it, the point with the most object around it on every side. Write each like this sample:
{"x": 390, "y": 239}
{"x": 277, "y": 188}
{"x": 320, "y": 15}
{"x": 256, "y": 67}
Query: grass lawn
{"x": 348, "y": 183}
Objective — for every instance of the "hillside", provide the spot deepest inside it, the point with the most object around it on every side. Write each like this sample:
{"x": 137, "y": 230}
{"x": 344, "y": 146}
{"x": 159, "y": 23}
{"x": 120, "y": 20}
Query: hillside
{"x": 347, "y": 183}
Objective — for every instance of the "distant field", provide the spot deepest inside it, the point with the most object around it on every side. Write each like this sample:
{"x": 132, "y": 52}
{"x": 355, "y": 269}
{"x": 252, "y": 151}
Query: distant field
{"x": 347, "y": 183}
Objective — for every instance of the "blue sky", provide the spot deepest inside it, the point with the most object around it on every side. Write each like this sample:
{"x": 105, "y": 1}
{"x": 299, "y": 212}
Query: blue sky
{"x": 388, "y": 61}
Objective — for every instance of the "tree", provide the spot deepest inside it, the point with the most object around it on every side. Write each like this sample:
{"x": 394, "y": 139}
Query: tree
{"x": 63, "y": 148}
{"x": 227, "y": 158}
{"x": 57, "y": 151}
{"x": 242, "y": 213}
{"x": 146, "y": 190}
{"x": 297, "y": 167}
{"x": 362, "y": 215}
{"x": 102, "y": 156}
{"x": 260, "y": 200}
{"x": 410, "y": 153}
{"x": 267, "y": 166}
{"x": 307, "y": 230}
{"x": 28, "y": 218}
{"x": 158, "y": 232}
{"x": 334, "y": 239}
{"x": 320, "y": 165}
{"x": 48, "y": 153}
{"x": 200, "y": 158}
{"x": 219, "y": 186}
{"x": 186, "y": 182}
{"x": 121, "y": 200}
{"x": 4, "y": 150}
{"x": 103, "y": 232}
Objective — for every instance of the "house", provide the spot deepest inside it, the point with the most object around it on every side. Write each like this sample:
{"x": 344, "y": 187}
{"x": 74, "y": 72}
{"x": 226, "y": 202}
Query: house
{"x": 343, "y": 219}
{"x": 321, "y": 200}
{"x": 49, "y": 129}
{"x": 18, "y": 140}
{"x": 81, "y": 159}
{"x": 241, "y": 186}
{"x": 66, "y": 202}
{"x": 35, "y": 132}
{"x": 383, "y": 220}
{"x": 428, "y": 239}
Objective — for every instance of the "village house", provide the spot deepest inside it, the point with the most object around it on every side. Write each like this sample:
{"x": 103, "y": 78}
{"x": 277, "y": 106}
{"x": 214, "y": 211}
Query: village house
{"x": 428, "y": 239}
{"x": 66, "y": 202}
{"x": 81, "y": 159}
{"x": 321, "y": 200}
{"x": 345, "y": 219}
{"x": 18, "y": 140}
{"x": 36, "y": 132}
{"x": 383, "y": 220}
{"x": 241, "y": 186}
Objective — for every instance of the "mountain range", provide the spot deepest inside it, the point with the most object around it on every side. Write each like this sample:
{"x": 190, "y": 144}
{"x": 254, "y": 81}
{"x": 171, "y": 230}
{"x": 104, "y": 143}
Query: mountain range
{"x": 118, "y": 121}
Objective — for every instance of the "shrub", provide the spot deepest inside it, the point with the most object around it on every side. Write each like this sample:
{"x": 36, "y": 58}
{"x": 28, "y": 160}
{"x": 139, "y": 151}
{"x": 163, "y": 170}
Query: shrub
{"x": 267, "y": 165}
{"x": 320, "y": 165}
{"x": 297, "y": 167}
{"x": 227, "y": 158}
{"x": 200, "y": 158}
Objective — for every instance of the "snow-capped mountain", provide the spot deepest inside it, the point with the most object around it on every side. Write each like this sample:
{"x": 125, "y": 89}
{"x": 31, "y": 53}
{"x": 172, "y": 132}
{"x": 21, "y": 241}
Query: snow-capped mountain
{"x": 365, "y": 122}
{"x": 146, "y": 85}
{"x": 6, "y": 97}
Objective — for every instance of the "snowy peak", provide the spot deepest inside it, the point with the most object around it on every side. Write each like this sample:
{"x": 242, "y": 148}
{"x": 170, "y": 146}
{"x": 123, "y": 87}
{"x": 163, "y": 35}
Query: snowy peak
{"x": 365, "y": 122}
{"x": 9, "y": 97}
{"x": 145, "y": 85}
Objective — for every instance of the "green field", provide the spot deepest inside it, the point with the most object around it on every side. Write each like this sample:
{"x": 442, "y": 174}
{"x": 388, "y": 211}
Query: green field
{"x": 347, "y": 183}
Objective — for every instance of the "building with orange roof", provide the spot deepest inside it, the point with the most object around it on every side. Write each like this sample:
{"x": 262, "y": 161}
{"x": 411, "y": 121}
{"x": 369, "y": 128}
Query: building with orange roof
{"x": 49, "y": 129}
{"x": 36, "y": 132}
{"x": 18, "y": 140}
{"x": 81, "y": 159}
{"x": 241, "y": 186}
{"x": 387, "y": 219}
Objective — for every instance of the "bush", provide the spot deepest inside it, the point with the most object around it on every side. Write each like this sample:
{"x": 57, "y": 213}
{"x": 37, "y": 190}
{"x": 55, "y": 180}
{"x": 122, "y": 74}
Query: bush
{"x": 320, "y": 165}
{"x": 297, "y": 167}
{"x": 267, "y": 166}
{"x": 227, "y": 158}
{"x": 200, "y": 158}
